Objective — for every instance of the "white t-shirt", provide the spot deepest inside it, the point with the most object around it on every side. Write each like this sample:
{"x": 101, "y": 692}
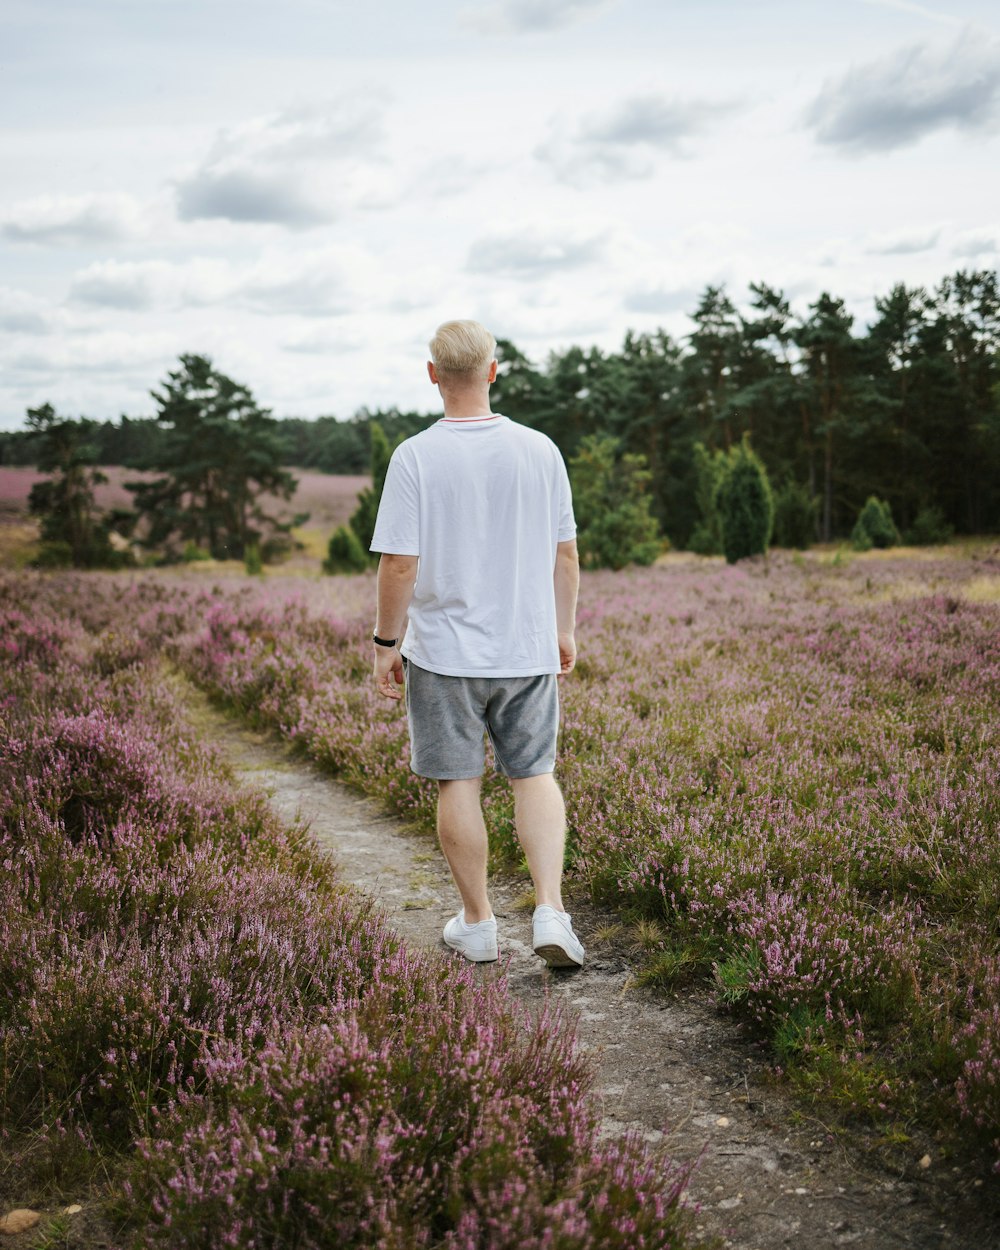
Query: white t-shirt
{"x": 483, "y": 502}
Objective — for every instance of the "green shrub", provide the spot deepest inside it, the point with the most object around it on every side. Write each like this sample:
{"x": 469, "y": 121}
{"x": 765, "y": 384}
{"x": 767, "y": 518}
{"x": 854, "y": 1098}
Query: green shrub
{"x": 55, "y": 554}
{"x": 706, "y": 537}
{"x": 745, "y": 504}
{"x": 193, "y": 553}
{"x": 929, "y": 528}
{"x": 252, "y": 559}
{"x": 875, "y": 526}
{"x": 345, "y": 553}
{"x": 362, "y": 521}
{"x": 615, "y": 526}
{"x": 794, "y": 516}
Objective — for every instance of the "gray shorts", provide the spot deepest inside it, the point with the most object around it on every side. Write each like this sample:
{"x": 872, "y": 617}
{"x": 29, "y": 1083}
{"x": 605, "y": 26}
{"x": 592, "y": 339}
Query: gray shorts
{"x": 449, "y": 716}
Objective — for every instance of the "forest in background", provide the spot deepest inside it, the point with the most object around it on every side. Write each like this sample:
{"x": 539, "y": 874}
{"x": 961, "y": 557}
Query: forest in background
{"x": 907, "y": 409}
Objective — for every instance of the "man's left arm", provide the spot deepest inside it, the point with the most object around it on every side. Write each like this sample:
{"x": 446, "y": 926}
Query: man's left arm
{"x": 397, "y": 576}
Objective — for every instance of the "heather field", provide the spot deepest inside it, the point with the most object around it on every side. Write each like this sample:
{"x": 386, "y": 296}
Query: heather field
{"x": 199, "y": 1022}
{"x": 787, "y": 774}
{"x": 789, "y": 771}
{"x": 326, "y": 499}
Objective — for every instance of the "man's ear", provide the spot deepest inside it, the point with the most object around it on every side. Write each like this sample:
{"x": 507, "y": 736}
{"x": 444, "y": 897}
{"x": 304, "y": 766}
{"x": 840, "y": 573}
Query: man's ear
{"x": 432, "y": 372}
{"x": 491, "y": 377}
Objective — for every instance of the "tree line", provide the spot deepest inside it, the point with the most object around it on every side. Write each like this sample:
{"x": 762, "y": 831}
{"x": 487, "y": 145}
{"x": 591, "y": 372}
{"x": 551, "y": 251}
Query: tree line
{"x": 908, "y": 409}
{"x": 905, "y": 411}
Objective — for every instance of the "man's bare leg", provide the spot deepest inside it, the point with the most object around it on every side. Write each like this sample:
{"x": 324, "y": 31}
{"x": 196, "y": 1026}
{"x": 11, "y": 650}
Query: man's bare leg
{"x": 462, "y": 832}
{"x": 540, "y": 820}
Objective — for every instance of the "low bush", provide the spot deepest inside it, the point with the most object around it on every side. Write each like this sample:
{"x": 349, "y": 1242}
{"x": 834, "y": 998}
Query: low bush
{"x": 345, "y": 553}
{"x": 929, "y": 528}
{"x": 744, "y": 503}
{"x": 794, "y": 516}
{"x": 874, "y": 526}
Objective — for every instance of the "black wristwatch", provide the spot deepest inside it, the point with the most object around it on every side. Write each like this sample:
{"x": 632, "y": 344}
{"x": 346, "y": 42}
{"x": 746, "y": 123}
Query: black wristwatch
{"x": 384, "y": 642}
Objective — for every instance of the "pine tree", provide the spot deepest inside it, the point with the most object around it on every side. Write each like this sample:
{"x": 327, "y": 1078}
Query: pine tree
{"x": 73, "y": 531}
{"x": 220, "y": 454}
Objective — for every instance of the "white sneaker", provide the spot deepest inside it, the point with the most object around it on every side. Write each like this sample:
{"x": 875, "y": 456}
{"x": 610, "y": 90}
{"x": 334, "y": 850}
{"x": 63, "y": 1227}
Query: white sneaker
{"x": 477, "y": 942}
{"x": 553, "y": 939}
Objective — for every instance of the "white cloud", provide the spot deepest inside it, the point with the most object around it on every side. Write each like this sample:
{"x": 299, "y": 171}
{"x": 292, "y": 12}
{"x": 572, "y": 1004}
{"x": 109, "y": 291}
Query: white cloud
{"x": 904, "y": 242}
{"x": 899, "y": 99}
{"x": 21, "y": 313}
{"x": 661, "y": 299}
{"x": 115, "y": 353}
{"x": 920, "y": 10}
{"x": 125, "y": 285}
{"x": 975, "y": 243}
{"x": 623, "y": 142}
{"x": 447, "y": 176}
{"x": 323, "y": 343}
{"x": 334, "y": 130}
{"x": 519, "y": 17}
{"x": 319, "y": 282}
{"x": 73, "y": 221}
{"x": 243, "y": 195}
{"x": 535, "y": 251}
{"x": 297, "y": 168}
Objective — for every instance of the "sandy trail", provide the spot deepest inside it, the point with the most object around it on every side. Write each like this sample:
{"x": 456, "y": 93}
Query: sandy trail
{"x": 673, "y": 1068}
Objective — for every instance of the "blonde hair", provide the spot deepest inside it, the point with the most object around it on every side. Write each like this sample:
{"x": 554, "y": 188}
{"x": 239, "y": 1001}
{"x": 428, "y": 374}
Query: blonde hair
{"x": 462, "y": 349}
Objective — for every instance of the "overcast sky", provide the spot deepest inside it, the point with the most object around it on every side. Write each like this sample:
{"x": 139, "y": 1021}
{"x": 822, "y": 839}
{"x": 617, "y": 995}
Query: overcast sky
{"x": 304, "y": 190}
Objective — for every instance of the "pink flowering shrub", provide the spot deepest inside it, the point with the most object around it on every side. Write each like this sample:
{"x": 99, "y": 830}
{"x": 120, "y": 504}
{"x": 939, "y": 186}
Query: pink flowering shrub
{"x": 794, "y": 768}
{"x": 979, "y": 1045}
{"x": 190, "y": 1001}
{"x": 438, "y": 1133}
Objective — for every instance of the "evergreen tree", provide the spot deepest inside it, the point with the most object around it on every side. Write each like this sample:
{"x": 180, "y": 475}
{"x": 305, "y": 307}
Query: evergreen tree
{"x": 874, "y": 526}
{"x": 969, "y": 310}
{"x": 706, "y": 538}
{"x": 794, "y": 516}
{"x": 772, "y": 392}
{"x": 363, "y": 521}
{"x": 710, "y": 371}
{"x": 219, "y": 456}
{"x": 746, "y": 507}
{"x": 345, "y": 553}
{"x": 614, "y": 524}
{"x": 649, "y": 419}
{"x": 896, "y": 340}
{"x": 519, "y": 389}
{"x": 73, "y": 531}
{"x": 837, "y": 389}
{"x": 929, "y": 528}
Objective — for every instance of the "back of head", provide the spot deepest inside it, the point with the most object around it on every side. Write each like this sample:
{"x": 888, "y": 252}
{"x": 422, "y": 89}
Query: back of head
{"x": 462, "y": 352}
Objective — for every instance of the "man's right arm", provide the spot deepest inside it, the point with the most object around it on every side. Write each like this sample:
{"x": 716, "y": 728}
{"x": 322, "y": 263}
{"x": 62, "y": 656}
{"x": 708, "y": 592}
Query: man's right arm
{"x": 567, "y": 586}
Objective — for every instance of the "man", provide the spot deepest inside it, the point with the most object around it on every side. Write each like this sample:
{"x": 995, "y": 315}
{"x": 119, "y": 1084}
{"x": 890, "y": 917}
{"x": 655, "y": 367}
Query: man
{"x": 478, "y": 546}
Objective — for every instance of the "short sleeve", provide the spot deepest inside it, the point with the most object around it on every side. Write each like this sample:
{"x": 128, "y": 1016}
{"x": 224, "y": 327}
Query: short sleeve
{"x": 397, "y": 526}
{"x": 567, "y": 521}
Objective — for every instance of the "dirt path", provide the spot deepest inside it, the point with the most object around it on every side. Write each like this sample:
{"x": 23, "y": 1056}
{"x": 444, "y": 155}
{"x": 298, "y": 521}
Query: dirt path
{"x": 767, "y": 1178}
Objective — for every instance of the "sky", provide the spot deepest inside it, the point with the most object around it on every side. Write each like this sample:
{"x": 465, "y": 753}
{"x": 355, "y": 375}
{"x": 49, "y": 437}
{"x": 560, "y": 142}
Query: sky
{"x": 303, "y": 191}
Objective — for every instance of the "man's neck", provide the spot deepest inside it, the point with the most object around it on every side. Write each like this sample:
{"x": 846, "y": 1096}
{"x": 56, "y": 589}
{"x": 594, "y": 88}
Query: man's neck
{"x": 461, "y": 405}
